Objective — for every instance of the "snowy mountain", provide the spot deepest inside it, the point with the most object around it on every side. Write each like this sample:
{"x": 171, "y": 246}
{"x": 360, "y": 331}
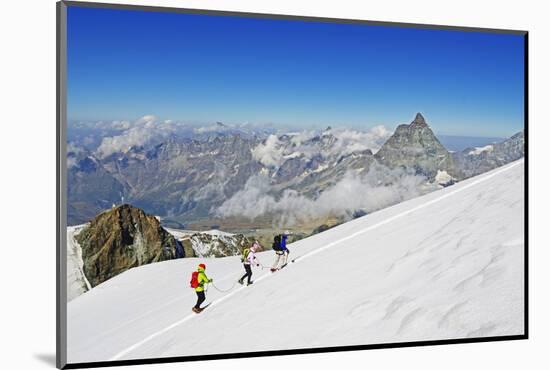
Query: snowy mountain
{"x": 223, "y": 177}
{"x": 445, "y": 265}
{"x": 474, "y": 161}
{"x": 415, "y": 146}
{"x": 184, "y": 180}
{"x": 456, "y": 143}
{"x": 77, "y": 283}
{"x": 211, "y": 243}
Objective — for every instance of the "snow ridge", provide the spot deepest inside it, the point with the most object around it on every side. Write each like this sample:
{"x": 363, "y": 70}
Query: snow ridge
{"x": 314, "y": 252}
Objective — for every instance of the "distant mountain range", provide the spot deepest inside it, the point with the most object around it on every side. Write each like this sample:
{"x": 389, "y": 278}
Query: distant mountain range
{"x": 474, "y": 161}
{"x": 251, "y": 185}
{"x": 209, "y": 179}
{"x": 455, "y": 143}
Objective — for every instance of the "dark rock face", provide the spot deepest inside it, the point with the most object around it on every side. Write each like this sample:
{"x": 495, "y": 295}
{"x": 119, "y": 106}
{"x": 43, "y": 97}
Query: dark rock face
{"x": 291, "y": 167}
{"x": 416, "y": 147}
{"x": 475, "y": 161}
{"x": 122, "y": 238}
{"x": 419, "y": 121}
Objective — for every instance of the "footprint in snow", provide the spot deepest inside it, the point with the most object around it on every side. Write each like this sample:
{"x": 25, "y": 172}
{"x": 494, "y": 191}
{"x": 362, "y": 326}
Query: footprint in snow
{"x": 410, "y": 318}
{"x": 484, "y": 330}
{"x": 451, "y": 314}
{"x": 395, "y": 305}
{"x": 361, "y": 307}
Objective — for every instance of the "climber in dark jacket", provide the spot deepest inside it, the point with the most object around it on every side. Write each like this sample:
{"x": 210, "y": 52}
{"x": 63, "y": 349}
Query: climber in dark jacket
{"x": 282, "y": 254}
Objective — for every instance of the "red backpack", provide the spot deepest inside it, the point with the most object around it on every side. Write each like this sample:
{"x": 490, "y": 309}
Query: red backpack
{"x": 194, "y": 279}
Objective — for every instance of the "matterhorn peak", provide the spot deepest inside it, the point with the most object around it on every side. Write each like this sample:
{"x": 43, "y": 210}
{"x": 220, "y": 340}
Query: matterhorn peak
{"x": 415, "y": 146}
{"x": 419, "y": 120}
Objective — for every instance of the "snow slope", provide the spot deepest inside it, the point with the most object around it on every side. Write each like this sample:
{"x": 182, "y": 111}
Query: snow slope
{"x": 77, "y": 283}
{"x": 180, "y": 234}
{"x": 478, "y": 151}
{"x": 445, "y": 265}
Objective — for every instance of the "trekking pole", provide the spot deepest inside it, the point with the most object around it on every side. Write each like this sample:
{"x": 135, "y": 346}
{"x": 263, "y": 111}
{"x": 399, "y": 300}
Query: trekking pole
{"x": 259, "y": 263}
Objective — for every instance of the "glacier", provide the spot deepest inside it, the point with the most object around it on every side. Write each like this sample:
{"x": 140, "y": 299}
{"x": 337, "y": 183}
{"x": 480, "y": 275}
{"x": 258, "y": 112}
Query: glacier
{"x": 446, "y": 265}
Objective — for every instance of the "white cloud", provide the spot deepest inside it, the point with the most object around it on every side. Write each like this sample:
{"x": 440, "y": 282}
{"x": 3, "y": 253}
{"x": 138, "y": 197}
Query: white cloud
{"x": 211, "y": 128}
{"x": 270, "y": 152}
{"x": 119, "y": 136}
{"x": 300, "y": 137}
{"x": 71, "y": 162}
{"x": 350, "y": 141}
{"x": 379, "y": 188}
{"x": 143, "y": 131}
{"x": 73, "y": 151}
{"x": 273, "y": 151}
{"x": 120, "y": 125}
{"x": 147, "y": 119}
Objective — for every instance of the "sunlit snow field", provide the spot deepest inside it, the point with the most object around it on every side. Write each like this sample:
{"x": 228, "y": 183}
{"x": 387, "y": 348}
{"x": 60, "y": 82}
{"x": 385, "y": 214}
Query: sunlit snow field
{"x": 445, "y": 265}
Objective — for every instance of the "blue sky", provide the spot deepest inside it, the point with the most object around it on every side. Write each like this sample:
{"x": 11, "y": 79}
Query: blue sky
{"x": 125, "y": 64}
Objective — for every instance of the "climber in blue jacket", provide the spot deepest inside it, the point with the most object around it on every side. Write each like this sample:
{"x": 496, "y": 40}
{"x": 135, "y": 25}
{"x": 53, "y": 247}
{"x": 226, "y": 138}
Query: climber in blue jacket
{"x": 281, "y": 251}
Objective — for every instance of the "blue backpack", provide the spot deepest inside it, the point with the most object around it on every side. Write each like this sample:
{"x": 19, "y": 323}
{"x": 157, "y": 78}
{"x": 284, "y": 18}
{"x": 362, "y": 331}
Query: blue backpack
{"x": 277, "y": 243}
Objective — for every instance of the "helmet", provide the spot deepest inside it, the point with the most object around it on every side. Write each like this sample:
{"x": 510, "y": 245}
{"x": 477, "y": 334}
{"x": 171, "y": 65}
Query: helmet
{"x": 202, "y": 266}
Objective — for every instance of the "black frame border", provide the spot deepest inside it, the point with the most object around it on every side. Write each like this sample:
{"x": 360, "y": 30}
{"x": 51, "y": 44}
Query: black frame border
{"x": 61, "y": 127}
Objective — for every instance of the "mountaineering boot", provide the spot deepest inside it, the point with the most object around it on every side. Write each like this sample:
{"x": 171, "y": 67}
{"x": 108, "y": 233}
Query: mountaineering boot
{"x": 250, "y": 283}
{"x": 195, "y": 310}
{"x": 273, "y": 269}
{"x": 240, "y": 281}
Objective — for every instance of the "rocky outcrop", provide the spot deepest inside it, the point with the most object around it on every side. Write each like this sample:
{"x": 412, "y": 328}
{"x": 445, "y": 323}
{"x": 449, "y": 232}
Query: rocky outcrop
{"x": 122, "y": 238}
{"x": 415, "y": 146}
{"x": 216, "y": 245}
{"x": 475, "y": 161}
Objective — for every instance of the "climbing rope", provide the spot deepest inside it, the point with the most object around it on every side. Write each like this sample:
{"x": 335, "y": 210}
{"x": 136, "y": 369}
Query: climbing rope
{"x": 262, "y": 266}
{"x": 224, "y": 291}
{"x": 288, "y": 260}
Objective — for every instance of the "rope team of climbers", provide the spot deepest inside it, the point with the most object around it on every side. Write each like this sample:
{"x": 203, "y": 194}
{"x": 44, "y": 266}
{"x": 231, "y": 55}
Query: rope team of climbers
{"x": 199, "y": 279}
